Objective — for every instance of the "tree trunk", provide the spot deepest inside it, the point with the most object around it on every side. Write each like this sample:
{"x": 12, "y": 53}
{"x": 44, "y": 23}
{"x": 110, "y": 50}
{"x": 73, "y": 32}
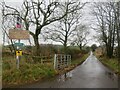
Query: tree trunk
{"x": 80, "y": 46}
{"x": 65, "y": 44}
{"x": 118, "y": 40}
{"x": 37, "y": 46}
{"x": 65, "y": 48}
{"x": 109, "y": 51}
{"x": 118, "y": 29}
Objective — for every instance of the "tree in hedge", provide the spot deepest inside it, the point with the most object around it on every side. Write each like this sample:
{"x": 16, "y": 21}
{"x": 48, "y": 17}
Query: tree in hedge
{"x": 93, "y": 47}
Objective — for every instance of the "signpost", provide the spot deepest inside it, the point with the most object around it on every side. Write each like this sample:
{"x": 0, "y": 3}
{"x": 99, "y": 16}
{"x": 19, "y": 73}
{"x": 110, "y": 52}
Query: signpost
{"x": 18, "y": 34}
{"x": 21, "y": 45}
{"x": 19, "y": 53}
{"x": 18, "y": 56}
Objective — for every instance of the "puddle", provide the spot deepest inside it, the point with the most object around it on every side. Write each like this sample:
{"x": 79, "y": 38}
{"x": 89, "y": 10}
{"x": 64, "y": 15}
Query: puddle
{"x": 65, "y": 76}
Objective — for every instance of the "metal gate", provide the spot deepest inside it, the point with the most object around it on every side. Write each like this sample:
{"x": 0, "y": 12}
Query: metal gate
{"x": 61, "y": 61}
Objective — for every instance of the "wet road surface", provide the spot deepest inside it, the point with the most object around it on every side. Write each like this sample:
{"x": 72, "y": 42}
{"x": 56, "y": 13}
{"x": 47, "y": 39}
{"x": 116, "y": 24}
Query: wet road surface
{"x": 91, "y": 74}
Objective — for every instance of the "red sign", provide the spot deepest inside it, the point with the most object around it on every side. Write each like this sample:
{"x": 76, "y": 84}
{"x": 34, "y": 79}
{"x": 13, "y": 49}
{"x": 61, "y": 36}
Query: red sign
{"x": 18, "y": 26}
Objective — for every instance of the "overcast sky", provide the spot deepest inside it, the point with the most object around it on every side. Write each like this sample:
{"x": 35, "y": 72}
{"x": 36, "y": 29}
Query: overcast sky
{"x": 87, "y": 19}
{"x": 0, "y": 27}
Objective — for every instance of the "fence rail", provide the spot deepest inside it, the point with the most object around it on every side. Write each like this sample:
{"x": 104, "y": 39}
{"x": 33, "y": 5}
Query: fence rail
{"x": 42, "y": 59}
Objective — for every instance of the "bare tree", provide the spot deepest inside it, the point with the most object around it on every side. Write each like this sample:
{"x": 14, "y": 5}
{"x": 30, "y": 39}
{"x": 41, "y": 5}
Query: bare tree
{"x": 40, "y": 14}
{"x": 64, "y": 30}
{"x": 81, "y": 36}
{"x": 5, "y": 26}
{"x": 105, "y": 17}
{"x": 117, "y": 25}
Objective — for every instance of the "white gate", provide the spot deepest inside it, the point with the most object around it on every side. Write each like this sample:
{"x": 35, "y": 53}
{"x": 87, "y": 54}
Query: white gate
{"x": 61, "y": 61}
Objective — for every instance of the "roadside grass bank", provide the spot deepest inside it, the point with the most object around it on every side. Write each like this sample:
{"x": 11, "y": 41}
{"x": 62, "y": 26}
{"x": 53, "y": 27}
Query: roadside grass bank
{"x": 30, "y": 72}
{"x": 79, "y": 61}
{"x": 112, "y": 63}
{"x": 27, "y": 73}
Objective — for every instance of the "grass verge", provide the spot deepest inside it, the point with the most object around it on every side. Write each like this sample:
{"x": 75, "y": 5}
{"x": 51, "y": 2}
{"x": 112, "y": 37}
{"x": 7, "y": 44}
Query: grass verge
{"x": 30, "y": 72}
{"x": 27, "y": 73}
{"x": 78, "y": 61}
{"x": 111, "y": 63}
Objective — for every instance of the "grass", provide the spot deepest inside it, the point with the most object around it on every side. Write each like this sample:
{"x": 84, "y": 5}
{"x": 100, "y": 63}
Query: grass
{"x": 111, "y": 63}
{"x": 29, "y": 72}
{"x": 79, "y": 60}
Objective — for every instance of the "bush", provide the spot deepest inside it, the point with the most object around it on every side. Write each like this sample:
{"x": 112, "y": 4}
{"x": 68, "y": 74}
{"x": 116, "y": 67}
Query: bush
{"x": 74, "y": 52}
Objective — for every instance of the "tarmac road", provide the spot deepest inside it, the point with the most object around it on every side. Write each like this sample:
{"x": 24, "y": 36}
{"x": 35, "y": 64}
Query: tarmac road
{"x": 91, "y": 74}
